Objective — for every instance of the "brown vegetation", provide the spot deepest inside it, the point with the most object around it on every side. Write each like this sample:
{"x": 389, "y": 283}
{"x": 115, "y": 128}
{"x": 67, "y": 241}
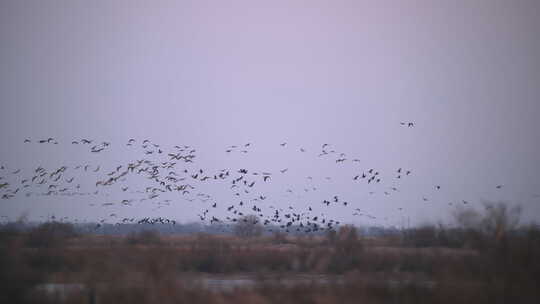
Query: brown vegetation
{"x": 491, "y": 263}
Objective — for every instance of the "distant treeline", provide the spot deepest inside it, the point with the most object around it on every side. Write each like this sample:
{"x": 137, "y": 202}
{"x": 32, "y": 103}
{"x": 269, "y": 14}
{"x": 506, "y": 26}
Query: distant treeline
{"x": 178, "y": 228}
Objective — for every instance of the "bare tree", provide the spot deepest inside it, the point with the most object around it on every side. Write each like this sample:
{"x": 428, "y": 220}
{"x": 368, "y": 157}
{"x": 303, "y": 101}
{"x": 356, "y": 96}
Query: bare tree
{"x": 467, "y": 218}
{"x": 499, "y": 219}
{"x": 248, "y": 226}
{"x": 491, "y": 225}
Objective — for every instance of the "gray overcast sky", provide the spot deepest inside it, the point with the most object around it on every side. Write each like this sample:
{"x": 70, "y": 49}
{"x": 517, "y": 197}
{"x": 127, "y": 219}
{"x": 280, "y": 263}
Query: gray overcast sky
{"x": 217, "y": 73}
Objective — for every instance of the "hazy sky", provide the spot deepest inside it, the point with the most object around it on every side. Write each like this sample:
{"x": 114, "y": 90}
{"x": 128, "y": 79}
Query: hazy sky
{"x": 216, "y": 73}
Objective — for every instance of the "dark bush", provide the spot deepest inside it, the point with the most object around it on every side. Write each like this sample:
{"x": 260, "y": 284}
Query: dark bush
{"x": 50, "y": 234}
{"x": 145, "y": 237}
{"x": 248, "y": 226}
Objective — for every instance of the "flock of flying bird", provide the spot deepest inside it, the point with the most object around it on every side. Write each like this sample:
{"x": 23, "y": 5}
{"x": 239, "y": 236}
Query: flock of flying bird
{"x": 172, "y": 175}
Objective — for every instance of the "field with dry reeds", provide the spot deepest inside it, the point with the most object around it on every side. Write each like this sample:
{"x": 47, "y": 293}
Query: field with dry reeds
{"x": 51, "y": 263}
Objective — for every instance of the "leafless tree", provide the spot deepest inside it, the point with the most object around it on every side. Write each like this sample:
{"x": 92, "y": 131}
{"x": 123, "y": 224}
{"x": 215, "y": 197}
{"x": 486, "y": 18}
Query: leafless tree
{"x": 499, "y": 219}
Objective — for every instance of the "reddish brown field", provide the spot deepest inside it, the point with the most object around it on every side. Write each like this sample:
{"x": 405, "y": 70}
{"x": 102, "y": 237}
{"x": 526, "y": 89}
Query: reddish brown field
{"x": 340, "y": 268}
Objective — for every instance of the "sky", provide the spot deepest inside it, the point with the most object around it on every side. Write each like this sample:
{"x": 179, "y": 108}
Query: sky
{"x": 211, "y": 74}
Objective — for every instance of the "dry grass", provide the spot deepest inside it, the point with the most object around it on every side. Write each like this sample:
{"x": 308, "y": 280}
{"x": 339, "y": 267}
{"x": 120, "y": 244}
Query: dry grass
{"x": 148, "y": 268}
